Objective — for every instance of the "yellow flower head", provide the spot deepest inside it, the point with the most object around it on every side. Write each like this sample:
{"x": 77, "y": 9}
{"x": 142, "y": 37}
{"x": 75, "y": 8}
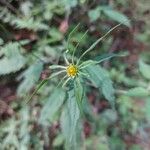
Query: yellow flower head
{"x": 72, "y": 70}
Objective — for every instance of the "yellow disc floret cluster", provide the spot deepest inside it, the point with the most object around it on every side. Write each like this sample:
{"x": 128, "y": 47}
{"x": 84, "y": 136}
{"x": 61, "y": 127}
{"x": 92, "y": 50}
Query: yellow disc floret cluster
{"x": 72, "y": 70}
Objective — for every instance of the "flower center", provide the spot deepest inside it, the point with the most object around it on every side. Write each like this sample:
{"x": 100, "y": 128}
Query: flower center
{"x": 72, "y": 70}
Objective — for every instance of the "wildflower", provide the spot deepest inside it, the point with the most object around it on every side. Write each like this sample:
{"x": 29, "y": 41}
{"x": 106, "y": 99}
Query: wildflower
{"x": 74, "y": 69}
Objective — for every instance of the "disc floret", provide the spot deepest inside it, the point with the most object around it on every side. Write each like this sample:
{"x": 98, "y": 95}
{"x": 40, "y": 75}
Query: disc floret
{"x": 72, "y": 70}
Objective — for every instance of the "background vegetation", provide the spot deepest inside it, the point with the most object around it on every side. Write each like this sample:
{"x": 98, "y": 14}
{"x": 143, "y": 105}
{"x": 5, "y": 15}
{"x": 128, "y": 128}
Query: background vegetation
{"x": 33, "y": 35}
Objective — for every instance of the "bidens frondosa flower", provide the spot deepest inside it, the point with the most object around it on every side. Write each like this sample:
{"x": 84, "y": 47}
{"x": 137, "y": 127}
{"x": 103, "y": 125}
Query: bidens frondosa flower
{"x": 74, "y": 68}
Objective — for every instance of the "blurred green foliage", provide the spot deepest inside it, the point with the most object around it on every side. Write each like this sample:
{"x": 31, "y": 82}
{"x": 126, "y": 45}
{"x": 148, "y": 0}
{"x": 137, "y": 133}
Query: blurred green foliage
{"x": 33, "y": 37}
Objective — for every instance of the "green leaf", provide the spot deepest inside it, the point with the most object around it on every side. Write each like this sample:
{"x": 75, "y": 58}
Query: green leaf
{"x": 74, "y": 112}
{"x": 99, "y": 142}
{"x": 70, "y": 118}
{"x": 6, "y": 15}
{"x": 109, "y": 116}
{"x": 135, "y": 147}
{"x": 100, "y": 79}
{"x": 116, "y": 16}
{"x": 87, "y": 109}
{"x": 70, "y": 3}
{"x": 147, "y": 108}
{"x": 108, "y": 90}
{"x": 100, "y": 59}
{"x": 138, "y": 92}
{"x": 16, "y": 131}
{"x": 12, "y": 60}
{"x": 144, "y": 69}
{"x": 86, "y": 64}
{"x": 94, "y": 14}
{"x": 55, "y": 34}
{"x": 52, "y": 106}
{"x": 26, "y": 8}
{"x": 31, "y": 76}
{"x": 58, "y": 141}
{"x": 1, "y": 41}
{"x": 79, "y": 92}
{"x": 24, "y": 132}
{"x": 29, "y": 23}
{"x": 116, "y": 143}
{"x": 125, "y": 104}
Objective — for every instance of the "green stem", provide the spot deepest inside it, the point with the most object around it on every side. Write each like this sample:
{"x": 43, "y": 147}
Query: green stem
{"x": 43, "y": 82}
{"x": 70, "y": 35}
{"x": 77, "y": 46}
{"x": 57, "y": 67}
{"x": 95, "y": 43}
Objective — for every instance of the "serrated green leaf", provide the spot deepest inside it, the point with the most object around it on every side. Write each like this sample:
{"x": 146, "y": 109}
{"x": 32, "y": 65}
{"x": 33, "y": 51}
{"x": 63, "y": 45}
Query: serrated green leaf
{"x": 136, "y": 147}
{"x": 12, "y": 60}
{"x": 99, "y": 142}
{"x": 6, "y": 16}
{"x": 147, "y": 108}
{"x": 26, "y": 8}
{"x": 65, "y": 124}
{"x": 16, "y": 131}
{"x": 79, "y": 92}
{"x": 86, "y": 64}
{"x": 100, "y": 79}
{"x": 53, "y": 104}
{"x": 24, "y": 132}
{"x": 144, "y": 69}
{"x": 1, "y": 41}
{"x": 58, "y": 140}
{"x": 94, "y": 14}
{"x": 87, "y": 109}
{"x": 116, "y": 143}
{"x": 55, "y": 34}
{"x": 31, "y": 76}
{"x": 117, "y": 16}
{"x": 70, "y": 3}
{"x": 69, "y": 119}
{"x": 29, "y": 23}
{"x": 74, "y": 112}
{"x": 110, "y": 116}
{"x": 125, "y": 104}
{"x": 138, "y": 92}
{"x": 108, "y": 90}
